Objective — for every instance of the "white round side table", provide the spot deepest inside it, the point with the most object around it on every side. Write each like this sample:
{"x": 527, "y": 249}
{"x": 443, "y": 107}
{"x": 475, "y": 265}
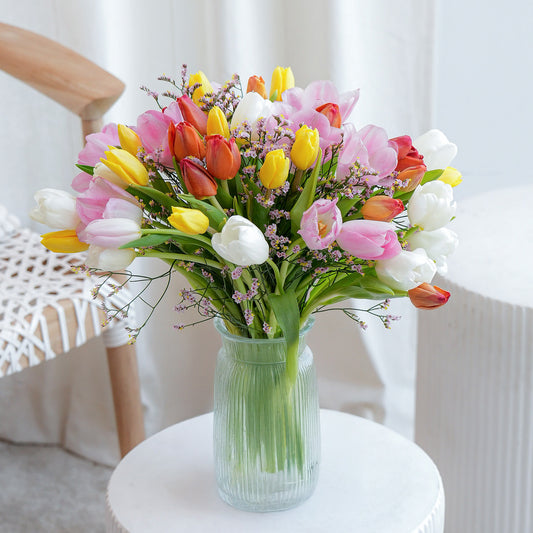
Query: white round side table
{"x": 474, "y": 394}
{"x": 372, "y": 480}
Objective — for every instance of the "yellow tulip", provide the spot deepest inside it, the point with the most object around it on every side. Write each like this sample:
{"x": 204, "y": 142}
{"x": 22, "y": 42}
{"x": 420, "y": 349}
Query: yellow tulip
{"x": 275, "y": 169}
{"x": 305, "y": 148}
{"x": 217, "y": 123}
{"x": 129, "y": 140}
{"x": 205, "y": 87}
{"x": 63, "y": 242}
{"x": 282, "y": 79}
{"x": 126, "y": 166}
{"x": 451, "y": 176}
{"x": 190, "y": 221}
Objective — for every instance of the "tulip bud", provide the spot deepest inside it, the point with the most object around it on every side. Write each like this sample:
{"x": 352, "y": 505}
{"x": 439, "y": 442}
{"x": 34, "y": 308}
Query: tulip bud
{"x": 223, "y": 158}
{"x": 427, "y": 296}
{"x": 282, "y": 79}
{"x": 451, "y": 176}
{"x": 127, "y": 166}
{"x": 256, "y": 84}
{"x": 197, "y": 180}
{"x": 431, "y": 206}
{"x": 437, "y": 150}
{"x": 203, "y": 89}
{"x": 305, "y": 148}
{"x": 193, "y": 114}
{"x": 275, "y": 169}
{"x": 55, "y": 208}
{"x": 184, "y": 140}
{"x": 190, "y": 221}
{"x": 408, "y": 155}
{"x": 217, "y": 123}
{"x": 103, "y": 171}
{"x": 412, "y": 176}
{"x": 109, "y": 259}
{"x": 332, "y": 113}
{"x": 241, "y": 242}
{"x": 63, "y": 242}
{"x": 406, "y": 270}
{"x": 111, "y": 232}
{"x": 382, "y": 208}
{"x": 129, "y": 140}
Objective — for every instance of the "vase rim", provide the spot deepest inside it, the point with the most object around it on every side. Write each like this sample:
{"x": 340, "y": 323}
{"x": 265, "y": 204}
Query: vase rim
{"x": 221, "y": 328}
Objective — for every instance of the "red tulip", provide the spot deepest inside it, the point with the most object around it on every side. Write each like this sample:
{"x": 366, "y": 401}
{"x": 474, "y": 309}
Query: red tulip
{"x": 197, "y": 180}
{"x": 256, "y": 84}
{"x": 184, "y": 141}
{"x": 408, "y": 155}
{"x": 332, "y": 113}
{"x": 428, "y": 296}
{"x": 223, "y": 158}
{"x": 193, "y": 114}
{"x": 382, "y": 208}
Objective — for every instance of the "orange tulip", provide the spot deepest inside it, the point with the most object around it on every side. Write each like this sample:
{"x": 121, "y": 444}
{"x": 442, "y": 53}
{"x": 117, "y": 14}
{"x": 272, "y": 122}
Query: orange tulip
{"x": 184, "y": 140}
{"x": 413, "y": 176}
{"x": 256, "y": 84}
{"x": 428, "y": 296}
{"x": 223, "y": 158}
{"x": 332, "y": 113}
{"x": 193, "y": 114}
{"x": 197, "y": 180}
{"x": 382, "y": 208}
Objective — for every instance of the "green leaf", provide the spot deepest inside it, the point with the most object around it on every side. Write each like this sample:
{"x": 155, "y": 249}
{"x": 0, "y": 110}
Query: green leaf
{"x": 217, "y": 219}
{"x": 86, "y": 168}
{"x": 153, "y": 194}
{"x": 432, "y": 175}
{"x": 306, "y": 197}
{"x": 147, "y": 241}
{"x": 285, "y": 307}
{"x": 345, "y": 204}
{"x": 376, "y": 286}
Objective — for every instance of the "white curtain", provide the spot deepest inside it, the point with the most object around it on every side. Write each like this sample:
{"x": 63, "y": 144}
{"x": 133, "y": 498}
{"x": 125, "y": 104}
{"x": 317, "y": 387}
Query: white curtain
{"x": 384, "y": 47}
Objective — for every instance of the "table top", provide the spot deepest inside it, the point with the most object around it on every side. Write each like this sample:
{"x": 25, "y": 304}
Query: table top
{"x": 495, "y": 245}
{"x": 372, "y": 480}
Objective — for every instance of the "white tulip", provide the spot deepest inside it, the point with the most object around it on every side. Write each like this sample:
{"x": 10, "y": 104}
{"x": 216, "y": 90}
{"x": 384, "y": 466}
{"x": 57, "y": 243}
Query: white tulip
{"x": 241, "y": 242}
{"x": 56, "y": 209}
{"x": 431, "y": 206}
{"x": 406, "y": 270}
{"x": 102, "y": 171}
{"x": 438, "y": 152}
{"x": 438, "y": 244}
{"x": 109, "y": 259}
{"x": 251, "y": 108}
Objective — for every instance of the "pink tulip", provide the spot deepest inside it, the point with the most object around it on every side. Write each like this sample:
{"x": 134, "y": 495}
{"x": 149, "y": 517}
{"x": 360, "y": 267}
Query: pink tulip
{"x": 91, "y": 204}
{"x": 321, "y": 224}
{"x": 193, "y": 114}
{"x": 152, "y": 128}
{"x": 97, "y": 144}
{"x": 370, "y": 147}
{"x": 110, "y": 232}
{"x": 369, "y": 239}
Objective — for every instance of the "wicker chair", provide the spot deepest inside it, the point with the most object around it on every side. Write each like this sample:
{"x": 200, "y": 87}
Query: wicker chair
{"x": 46, "y": 308}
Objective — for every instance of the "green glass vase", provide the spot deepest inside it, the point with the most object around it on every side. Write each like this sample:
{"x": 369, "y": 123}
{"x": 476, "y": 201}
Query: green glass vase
{"x": 266, "y": 428}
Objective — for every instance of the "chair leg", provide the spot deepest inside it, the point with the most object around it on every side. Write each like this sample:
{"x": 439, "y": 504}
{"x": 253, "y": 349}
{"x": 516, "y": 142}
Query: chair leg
{"x": 125, "y": 385}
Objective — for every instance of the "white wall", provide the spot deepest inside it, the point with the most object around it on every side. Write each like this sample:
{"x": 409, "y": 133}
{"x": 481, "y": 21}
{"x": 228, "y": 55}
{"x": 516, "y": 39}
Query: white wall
{"x": 484, "y": 86}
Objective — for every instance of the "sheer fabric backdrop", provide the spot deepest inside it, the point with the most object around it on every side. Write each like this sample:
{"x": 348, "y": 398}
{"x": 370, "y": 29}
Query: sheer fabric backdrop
{"x": 384, "y": 47}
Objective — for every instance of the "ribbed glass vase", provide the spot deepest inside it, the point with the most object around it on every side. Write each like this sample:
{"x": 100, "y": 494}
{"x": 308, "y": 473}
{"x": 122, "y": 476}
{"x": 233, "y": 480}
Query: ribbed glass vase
{"x": 266, "y": 429}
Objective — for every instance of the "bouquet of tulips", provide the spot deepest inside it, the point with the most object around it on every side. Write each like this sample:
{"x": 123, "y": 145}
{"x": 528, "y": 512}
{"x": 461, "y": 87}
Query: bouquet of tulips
{"x": 272, "y": 205}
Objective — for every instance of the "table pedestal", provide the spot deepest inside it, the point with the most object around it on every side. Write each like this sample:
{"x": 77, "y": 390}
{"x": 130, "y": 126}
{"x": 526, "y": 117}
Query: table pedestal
{"x": 372, "y": 480}
{"x": 474, "y": 400}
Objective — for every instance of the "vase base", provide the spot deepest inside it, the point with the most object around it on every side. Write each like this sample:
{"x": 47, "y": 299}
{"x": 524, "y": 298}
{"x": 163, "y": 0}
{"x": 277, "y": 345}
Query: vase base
{"x": 262, "y": 506}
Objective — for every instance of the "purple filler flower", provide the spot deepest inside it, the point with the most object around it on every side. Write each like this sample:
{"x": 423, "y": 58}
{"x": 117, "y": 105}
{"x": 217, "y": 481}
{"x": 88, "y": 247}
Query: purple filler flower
{"x": 321, "y": 224}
